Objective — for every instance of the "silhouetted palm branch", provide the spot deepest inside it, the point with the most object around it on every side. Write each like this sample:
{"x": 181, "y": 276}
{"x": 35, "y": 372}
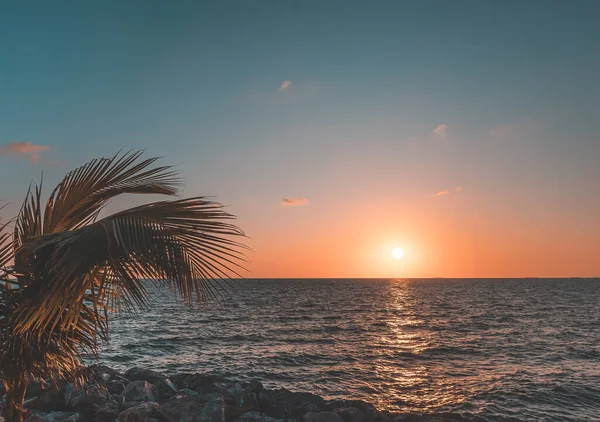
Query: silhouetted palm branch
{"x": 71, "y": 269}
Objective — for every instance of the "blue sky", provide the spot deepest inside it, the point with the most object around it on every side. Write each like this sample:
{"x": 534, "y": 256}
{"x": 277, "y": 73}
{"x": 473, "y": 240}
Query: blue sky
{"x": 511, "y": 86}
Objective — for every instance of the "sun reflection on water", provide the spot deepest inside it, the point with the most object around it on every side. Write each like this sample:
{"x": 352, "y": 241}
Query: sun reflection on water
{"x": 408, "y": 379}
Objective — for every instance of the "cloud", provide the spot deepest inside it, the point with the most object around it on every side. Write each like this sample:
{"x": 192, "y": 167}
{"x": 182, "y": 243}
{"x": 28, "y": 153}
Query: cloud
{"x": 458, "y": 188}
{"x": 294, "y": 202}
{"x": 285, "y": 85}
{"x": 24, "y": 148}
{"x": 442, "y": 192}
{"x": 16, "y": 147}
{"x": 440, "y": 131}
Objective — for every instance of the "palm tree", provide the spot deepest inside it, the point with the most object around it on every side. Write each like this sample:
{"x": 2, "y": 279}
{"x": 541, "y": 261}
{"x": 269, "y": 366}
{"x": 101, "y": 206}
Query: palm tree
{"x": 63, "y": 270}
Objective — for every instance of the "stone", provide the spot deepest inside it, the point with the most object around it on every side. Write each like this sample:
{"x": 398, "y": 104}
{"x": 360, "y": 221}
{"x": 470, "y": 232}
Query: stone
{"x": 166, "y": 388}
{"x": 55, "y": 417}
{"x": 322, "y": 417}
{"x": 255, "y": 416}
{"x": 200, "y": 383}
{"x": 249, "y": 398}
{"x": 351, "y": 414}
{"x": 90, "y": 400}
{"x": 184, "y": 409}
{"x": 186, "y": 392}
{"x": 367, "y": 409}
{"x": 140, "y": 391}
{"x": 141, "y": 374}
{"x": 115, "y": 386}
{"x": 107, "y": 412}
{"x": 213, "y": 411}
{"x": 139, "y": 411}
{"x": 51, "y": 399}
{"x": 282, "y": 404}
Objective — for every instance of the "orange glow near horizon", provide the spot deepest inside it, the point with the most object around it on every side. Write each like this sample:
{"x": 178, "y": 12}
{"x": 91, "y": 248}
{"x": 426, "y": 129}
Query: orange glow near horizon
{"x": 437, "y": 240}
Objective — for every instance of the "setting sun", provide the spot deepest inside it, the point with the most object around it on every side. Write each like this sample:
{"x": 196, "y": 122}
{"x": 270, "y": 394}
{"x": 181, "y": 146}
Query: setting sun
{"x": 398, "y": 253}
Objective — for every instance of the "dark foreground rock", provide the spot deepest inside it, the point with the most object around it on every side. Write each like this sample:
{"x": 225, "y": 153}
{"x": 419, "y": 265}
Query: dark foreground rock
{"x": 142, "y": 395}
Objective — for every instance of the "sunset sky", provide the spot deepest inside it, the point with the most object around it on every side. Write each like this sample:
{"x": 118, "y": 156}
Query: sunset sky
{"x": 466, "y": 133}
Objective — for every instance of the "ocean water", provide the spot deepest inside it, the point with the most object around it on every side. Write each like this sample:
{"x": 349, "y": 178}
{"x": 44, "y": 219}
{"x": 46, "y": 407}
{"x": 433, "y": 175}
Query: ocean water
{"x": 525, "y": 348}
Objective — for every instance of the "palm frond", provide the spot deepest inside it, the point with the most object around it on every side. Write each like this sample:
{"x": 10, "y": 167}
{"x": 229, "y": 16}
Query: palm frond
{"x": 80, "y": 196}
{"x": 182, "y": 243}
{"x": 70, "y": 269}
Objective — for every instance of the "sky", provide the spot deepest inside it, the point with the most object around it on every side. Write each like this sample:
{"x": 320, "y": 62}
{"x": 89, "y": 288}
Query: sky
{"x": 466, "y": 133}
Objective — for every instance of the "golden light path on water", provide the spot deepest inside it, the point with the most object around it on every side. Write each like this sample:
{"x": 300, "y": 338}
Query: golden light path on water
{"x": 405, "y": 338}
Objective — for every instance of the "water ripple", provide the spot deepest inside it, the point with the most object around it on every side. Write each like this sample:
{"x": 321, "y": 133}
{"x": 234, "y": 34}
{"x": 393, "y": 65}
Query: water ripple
{"x": 493, "y": 348}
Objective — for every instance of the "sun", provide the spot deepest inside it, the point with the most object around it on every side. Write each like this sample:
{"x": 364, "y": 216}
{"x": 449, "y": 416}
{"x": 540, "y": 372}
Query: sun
{"x": 397, "y": 253}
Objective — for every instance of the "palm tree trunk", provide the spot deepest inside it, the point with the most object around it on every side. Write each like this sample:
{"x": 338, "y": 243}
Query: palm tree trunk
{"x": 15, "y": 396}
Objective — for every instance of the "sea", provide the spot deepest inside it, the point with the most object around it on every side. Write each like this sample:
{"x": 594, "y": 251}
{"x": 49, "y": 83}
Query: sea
{"x": 494, "y": 348}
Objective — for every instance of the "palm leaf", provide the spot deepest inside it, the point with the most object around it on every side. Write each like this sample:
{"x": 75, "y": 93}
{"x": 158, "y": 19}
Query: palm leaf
{"x": 71, "y": 269}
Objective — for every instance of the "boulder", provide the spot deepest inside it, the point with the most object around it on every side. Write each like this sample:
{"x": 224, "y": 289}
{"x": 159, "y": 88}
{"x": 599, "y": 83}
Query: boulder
{"x": 282, "y": 404}
{"x": 249, "y": 398}
{"x": 107, "y": 412}
{"x": 54, "y": 417}
{"x": 255, "y": 416}
{"x": 322, "y": 417}
{"x": 138, "y": 412}
{"x": 351, "y": 414}
{"x": 107, "y": 373}
{"x": 89, "y": 400}
{"x": 200, "y": 383}
{"x": 213, "y": 411}
{"x": 166, "y": 389}
{"x": 368, "y": 410}
{"x": 183, "y": 409}
{"x": 138, "y": 391}
{"x": 51, "y": 399}
{"x": 115, "y": 386}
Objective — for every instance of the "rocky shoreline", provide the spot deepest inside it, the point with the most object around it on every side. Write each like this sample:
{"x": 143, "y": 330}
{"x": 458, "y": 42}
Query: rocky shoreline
{"x": 142, "y": 395}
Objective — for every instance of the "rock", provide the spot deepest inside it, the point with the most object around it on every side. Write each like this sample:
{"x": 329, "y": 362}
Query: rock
{"x": 35, "y": 418}
{"x": 141, "y": 391}
{"x": 213, "y": 411}
{"x": 90, "y": 400}
{"x": 51, "y": 399}
{"x": 249, "y": 398}
{"x": 166, "y": 388}
{"x": 55, "y": 417}
{"x": 140, "y": 412}
{"x": 107, "y": 412}
{"x": 35, "y": 388}
{"x": 368, "y": 410}
{"x": 322, "y": 417}
{"x": 256, "y": 417}
{"x": 141, "y": 374}
{"x": 282, "y": 404}
{"x": 115, "y": 386}
{"x": 351, "y": 414}
{"x": 198, "y": 382}
{"x": 186, "y": 392}
{"x": 108, "y": 374}
{"x": 184, "y": 409}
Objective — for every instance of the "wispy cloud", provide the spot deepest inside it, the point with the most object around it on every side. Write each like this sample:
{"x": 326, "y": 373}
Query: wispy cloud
{"x": 458, "y": 188}
{"x": 294, "y": 202}
{"x": 285, "y": 85}
{"x": 442, "y": 192}
{"x": 440, "y": 131}
{"x": 24, "y": 149}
